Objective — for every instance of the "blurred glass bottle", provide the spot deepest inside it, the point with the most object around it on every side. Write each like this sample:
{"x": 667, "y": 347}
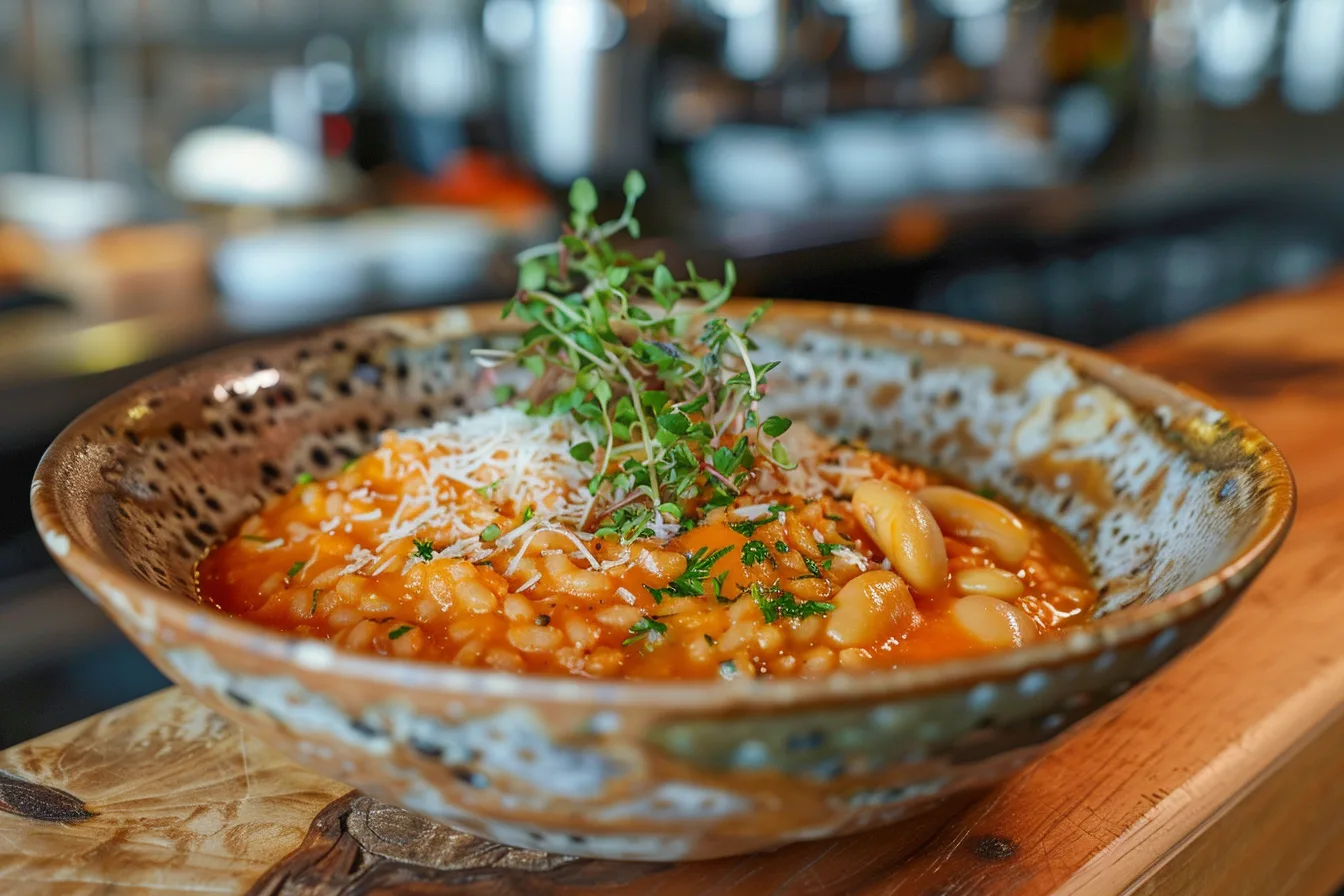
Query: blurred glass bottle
{"x": 577, "y": 75}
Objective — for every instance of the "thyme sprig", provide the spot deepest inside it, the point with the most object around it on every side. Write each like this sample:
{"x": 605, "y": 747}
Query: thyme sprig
{"x": 668, "y": 386}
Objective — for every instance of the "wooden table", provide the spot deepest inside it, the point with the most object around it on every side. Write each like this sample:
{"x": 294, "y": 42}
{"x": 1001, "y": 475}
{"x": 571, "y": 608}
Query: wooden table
{"x": 1223, "y": 775}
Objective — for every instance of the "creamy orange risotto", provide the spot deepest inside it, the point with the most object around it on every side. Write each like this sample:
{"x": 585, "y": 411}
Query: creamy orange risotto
{"x": 462, "y": 543}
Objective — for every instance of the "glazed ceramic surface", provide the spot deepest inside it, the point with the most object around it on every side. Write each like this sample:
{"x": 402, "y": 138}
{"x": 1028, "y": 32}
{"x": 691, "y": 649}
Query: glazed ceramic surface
{"x": 1176, "y": 502}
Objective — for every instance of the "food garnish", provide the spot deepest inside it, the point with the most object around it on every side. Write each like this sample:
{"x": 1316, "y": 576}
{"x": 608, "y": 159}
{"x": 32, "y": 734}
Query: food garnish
{"x": 691, "y": 583}
{"x": 646, "y": 627}
{"x": 643, "y": 358}
{"x": 775, "y": 603}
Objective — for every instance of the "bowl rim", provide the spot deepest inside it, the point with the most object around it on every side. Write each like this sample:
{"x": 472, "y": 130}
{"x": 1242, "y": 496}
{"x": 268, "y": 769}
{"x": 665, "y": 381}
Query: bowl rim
{"x": 95, "y": 573}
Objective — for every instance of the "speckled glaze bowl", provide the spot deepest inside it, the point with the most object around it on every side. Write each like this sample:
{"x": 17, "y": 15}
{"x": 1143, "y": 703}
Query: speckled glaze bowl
{"x": 1177, "y": 502}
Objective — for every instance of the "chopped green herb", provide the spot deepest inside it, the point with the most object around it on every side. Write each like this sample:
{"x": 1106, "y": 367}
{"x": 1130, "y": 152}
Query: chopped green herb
{"x": 542, "y": 619}
{"x": 295, "y": 569}
{"x": 424, "y": 549}
{"x": 255, "y": 538}
{"x": 710, "y": 641}
{"x": 835, "y": 518}
{"x": 643, "y": 628}
{"x": 987, "y": 492}
{"x": 528, "y": 513}
{"x": 485, "y": 490}
{"x": 812, "y": 567}
{"x": 827, "y": 549}
{"x": 304, "y": 479}
{"x": 782, "y": 547}
{"x": 776, "y": 509}
{"x": 754, "y": 552}
{"x": 775, "y": 603}
{"x": 690, "y": 583}
{"x": 490, "y": 533}
{"x": 316, "y": 593}
{"x": 398, "y": 632}
{"x": 349, "y": 463}
{"x": 826, "y": 564}
{"x": 716, "y": 584}
{"x": 747, "y": 528}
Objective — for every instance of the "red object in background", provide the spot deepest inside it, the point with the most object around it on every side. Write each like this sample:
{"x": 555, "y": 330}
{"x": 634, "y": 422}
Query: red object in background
{"x": 475, "y": 179}
{"x": 337, "y": 135}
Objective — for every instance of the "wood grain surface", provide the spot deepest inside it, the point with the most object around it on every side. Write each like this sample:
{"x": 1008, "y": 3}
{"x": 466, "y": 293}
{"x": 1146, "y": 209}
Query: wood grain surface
{"x": 1223, "y": 775}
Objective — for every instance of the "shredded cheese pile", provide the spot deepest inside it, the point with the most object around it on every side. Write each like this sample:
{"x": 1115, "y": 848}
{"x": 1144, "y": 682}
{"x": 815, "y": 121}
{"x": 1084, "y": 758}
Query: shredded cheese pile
{"x": 473, "y": 472}
{"x": 463, "y": 477}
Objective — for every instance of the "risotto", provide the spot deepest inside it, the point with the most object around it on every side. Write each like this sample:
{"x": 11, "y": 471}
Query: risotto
{"x": 633, "y": 512}
{"x": 462, "y": 543}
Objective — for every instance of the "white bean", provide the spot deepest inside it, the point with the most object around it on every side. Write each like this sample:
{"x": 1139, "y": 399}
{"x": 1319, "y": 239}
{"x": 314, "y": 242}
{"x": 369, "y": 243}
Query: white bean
{"x": 994, "y": 622}
{"x": 990, "y": 582}
{"x": 870, "y": 608}
{"x": 980, "y": 521}
{"x": 906, "y": 532}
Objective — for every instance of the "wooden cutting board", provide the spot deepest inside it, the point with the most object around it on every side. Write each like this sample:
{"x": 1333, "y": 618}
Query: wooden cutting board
{"x": 1222, "y": 775}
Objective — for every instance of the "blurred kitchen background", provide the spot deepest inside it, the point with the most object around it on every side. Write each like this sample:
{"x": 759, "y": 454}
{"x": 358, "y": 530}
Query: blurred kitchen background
{"x": 178, "y": 174}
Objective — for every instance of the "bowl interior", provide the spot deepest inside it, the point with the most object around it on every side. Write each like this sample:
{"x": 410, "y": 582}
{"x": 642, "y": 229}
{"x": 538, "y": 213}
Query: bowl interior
{"x": 1160, "y": 488}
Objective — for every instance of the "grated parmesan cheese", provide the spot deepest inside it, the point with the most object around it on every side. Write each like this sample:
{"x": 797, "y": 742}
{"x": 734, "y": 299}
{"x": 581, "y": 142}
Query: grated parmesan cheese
{"x": 510, "y": 458}
{"x": 357, "y": 559}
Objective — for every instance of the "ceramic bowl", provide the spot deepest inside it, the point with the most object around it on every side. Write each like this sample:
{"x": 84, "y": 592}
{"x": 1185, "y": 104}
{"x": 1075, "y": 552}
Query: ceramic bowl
{"x": 1177, "y": 502}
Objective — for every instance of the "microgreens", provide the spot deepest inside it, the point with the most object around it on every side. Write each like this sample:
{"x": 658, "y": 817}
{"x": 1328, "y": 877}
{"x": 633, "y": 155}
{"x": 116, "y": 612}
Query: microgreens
{"x": 668, "y": 387}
